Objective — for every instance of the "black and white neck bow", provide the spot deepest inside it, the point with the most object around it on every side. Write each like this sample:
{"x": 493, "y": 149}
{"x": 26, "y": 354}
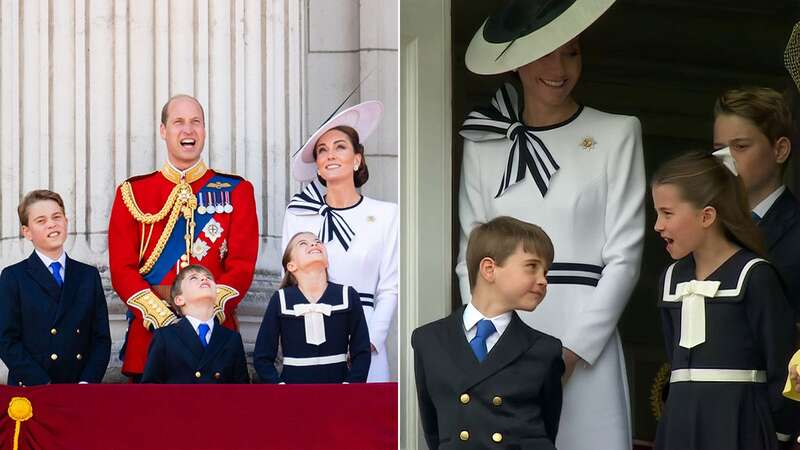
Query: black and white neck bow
{"x": 527, "y": 152}
{"x": 311, "y": 201}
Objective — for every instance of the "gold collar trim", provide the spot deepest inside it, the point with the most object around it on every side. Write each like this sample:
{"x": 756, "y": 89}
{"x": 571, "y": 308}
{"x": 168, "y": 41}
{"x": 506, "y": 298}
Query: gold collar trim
{"x": 191, "y": 174}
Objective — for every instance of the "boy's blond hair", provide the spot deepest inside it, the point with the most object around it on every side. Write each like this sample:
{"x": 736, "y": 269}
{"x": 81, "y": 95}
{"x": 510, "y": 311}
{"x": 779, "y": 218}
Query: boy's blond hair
{"x": 499, "y": 238}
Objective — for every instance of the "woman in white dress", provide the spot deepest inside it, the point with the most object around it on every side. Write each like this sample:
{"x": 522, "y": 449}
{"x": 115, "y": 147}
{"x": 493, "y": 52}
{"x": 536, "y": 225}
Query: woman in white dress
{"x": 361, "y": 233}
{"x": 578, "y": 173}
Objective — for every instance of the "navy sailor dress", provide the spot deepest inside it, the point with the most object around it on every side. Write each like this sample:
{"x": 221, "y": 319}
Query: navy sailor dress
{"x": 341, "y": 336}
{"x": 725, "y": 388}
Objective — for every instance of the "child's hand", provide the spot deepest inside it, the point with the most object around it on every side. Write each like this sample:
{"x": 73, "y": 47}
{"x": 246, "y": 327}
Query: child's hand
{"x": 372, "y": 348}
{"x": 794, "y": 375}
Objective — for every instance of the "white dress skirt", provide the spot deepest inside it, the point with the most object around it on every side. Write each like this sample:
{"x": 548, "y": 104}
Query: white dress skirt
{"x": 593, "y": 210}
{"x": 362, "y": 244}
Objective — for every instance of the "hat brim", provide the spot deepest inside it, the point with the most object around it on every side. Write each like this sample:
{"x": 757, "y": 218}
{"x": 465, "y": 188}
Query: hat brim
{"x": 482, "y": 55}
{"x": 363, "y": 118}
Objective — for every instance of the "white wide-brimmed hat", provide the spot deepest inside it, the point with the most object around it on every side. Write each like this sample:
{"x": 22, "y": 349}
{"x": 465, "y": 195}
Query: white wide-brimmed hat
{"x": 363, "y": 118}
{"x": 525, "y": 30}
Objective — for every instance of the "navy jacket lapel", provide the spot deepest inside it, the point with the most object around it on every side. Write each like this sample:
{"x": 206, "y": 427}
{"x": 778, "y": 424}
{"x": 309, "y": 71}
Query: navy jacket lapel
{"x": 514, "y": 342}
{"x": 779, "y": 219}
{"x": 42, "y": 276}
{"x": 461, "y": 352}
{"x": 219, "y": 337}
{"x": 190, "y": 338}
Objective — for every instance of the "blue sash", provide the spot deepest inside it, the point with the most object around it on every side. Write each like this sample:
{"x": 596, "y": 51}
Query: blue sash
{"x": 176, "y": 245}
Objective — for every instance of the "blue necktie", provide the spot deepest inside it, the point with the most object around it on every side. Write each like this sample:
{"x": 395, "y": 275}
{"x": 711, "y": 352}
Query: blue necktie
{"x": 55, "y": 267}
{"x": 202, "y": 331}
{"x": 756, "y": 217}
{"x": 478, "y": 343}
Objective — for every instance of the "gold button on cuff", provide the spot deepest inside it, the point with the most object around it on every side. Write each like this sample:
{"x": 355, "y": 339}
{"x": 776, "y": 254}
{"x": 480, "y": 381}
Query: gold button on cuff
{"x": 78, "y": 357}
{"x": 54, "y": 357}
{"x": 497, "y": 437}
{"x": 497, "y": 400}
{"x": 464, "y": 399}
{"x": 53, "y": 331}
{"x": 464, "y": 435}
{"x": 197, "y": 374}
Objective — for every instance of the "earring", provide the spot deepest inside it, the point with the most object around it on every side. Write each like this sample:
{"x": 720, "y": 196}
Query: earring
{"x": 355, "y": 168}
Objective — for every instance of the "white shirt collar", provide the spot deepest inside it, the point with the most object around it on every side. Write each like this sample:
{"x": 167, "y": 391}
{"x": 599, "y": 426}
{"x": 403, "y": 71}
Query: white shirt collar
{"x": 472, "y": 316}
{"x": 196, "y": 324}
{"x": 763, "y": 207}
{"x": 47, "y": 260}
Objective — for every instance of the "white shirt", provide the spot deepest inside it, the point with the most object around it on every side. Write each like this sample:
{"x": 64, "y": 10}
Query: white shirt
{"x": 471, "y": 318}
{"x": 196, "y": 324}
{"x": 763, "y": 207}
{"x": 47, "y": 261}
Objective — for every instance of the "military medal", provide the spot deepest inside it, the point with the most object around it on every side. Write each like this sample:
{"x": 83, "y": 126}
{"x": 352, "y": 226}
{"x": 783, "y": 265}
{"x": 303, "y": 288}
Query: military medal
{"x": 223, "y": 249}
{"x": 220, "y": 209}
{"x": 210, "y": 208}
{"x": 200, "y": 249}
{"x": 228, "y": 205}
{"x": 200, "y": 209}
{"x": 213, "y": 230}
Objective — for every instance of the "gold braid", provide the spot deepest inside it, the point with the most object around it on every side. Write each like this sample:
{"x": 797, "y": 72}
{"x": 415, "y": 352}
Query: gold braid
{"x": 130, "y": 202}
{"x": 180, "y": 201}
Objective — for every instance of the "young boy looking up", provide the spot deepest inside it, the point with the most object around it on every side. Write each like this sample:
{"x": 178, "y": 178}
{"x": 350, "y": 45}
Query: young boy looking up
{"x": 196, "y": 349}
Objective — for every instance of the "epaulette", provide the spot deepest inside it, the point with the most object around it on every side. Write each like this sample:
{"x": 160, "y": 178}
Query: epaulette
{"x": 229, "y": 175}
{"x": 142, "y": 177}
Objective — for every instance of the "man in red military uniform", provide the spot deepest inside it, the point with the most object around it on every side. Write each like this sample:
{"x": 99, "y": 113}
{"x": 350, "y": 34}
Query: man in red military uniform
{"x": 183, "y": 214}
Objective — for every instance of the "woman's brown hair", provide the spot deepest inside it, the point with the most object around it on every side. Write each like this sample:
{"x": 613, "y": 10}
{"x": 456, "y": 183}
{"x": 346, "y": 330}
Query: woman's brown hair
{"x": 703, "y": 181}
{"x": 361, "y": 175}
{"x": 288, "y": 278}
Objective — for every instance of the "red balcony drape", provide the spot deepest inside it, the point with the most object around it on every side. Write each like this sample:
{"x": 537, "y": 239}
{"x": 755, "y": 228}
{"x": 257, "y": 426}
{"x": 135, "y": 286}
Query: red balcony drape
{"x": 197, "y": 417}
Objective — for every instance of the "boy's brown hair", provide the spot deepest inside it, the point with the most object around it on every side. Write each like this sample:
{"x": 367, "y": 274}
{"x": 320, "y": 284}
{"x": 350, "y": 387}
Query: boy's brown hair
{"x": 765, "y": 107}
{"x": 499, "y": 238}
{"x": 175, "y": 289}
{"x": 33, "y": 197}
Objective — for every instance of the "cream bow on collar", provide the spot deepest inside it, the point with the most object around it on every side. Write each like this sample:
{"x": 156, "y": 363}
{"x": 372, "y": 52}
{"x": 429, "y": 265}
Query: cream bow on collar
{"x": 692, "y": 295}
{"x": 315, "y": 324}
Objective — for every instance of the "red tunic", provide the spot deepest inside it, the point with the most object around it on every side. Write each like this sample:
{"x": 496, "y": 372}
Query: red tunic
{"x": 228, "y": 249}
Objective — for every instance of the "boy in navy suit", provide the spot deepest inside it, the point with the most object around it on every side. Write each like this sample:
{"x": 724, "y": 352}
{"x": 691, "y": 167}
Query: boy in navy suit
{"x": 756, "y": 124}
{"x": 196, "y": 349}
{"x": 484, "y": 377}
{"x": 53, "y": 313}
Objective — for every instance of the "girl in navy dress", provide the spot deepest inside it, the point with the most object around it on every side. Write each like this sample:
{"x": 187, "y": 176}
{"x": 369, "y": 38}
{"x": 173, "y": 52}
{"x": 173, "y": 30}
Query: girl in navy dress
{"x": 727, "y": 325}
{"x": 320, "y": 325}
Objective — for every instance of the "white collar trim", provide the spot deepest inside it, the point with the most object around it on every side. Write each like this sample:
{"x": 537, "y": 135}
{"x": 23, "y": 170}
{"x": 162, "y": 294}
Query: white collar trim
{"x": 667, "y": 297}
{"x": 291, "y": 312}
